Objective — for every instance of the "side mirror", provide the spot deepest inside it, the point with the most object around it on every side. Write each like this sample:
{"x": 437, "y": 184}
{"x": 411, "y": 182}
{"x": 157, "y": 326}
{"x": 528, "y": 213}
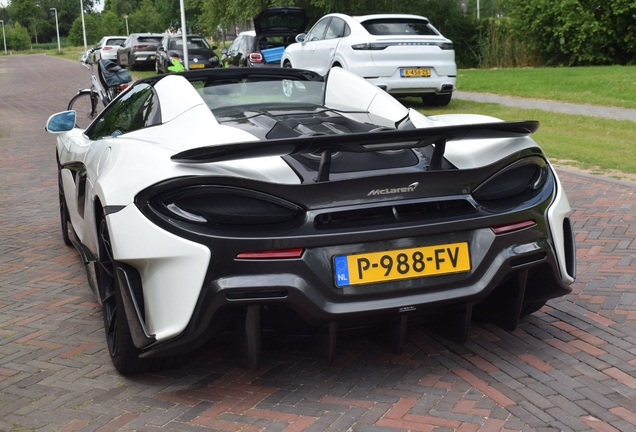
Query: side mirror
{"x": 300, "y": 38}
{"x": 61, "y": 122}
{"x": 223, "y": 50}
{"x": 160, "y": 48}
{"x": 214, "y": 47}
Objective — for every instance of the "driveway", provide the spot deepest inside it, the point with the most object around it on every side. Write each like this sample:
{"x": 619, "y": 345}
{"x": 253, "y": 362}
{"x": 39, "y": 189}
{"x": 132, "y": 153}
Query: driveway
{"x": 571, "y": 366}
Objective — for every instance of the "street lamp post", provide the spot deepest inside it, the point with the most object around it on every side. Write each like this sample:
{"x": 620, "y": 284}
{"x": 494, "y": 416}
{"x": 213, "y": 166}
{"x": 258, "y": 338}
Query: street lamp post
{"x": 57, "y": 28}
{"x": 83, "y": 25}
{"x": 184, "y": 36}
{"x": 4, "y": 38}
{"x": 127, "y": 32}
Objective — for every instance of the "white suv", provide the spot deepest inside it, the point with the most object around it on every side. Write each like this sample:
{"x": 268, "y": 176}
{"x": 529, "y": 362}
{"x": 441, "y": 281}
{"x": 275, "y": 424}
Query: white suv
{"x": 402, "y": 54}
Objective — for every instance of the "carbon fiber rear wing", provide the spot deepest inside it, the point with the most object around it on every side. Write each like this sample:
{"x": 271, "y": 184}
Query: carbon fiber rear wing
{"x": 359, "y": 143}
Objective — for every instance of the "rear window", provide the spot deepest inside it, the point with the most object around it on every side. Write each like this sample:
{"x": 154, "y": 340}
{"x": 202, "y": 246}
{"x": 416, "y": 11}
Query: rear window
{"x": 149, "y": 40}
{"x": 399, "y": 27}
{"x": 115, "y": 41}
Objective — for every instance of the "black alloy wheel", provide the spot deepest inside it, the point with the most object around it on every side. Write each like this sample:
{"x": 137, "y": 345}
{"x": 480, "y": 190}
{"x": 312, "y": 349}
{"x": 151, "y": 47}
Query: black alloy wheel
{"x": 107, "y": 287}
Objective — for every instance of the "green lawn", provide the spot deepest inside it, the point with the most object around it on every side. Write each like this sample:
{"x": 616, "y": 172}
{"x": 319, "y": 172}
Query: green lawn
{"x": 596, "y": 85}
{"x": 585, "y": 142}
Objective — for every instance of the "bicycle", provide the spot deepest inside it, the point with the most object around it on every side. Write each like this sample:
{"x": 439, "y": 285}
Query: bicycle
{"x": 110, "y": 76}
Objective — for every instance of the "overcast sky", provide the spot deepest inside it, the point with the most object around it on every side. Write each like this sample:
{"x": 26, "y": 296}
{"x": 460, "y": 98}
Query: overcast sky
{"x": 98, "y": 6}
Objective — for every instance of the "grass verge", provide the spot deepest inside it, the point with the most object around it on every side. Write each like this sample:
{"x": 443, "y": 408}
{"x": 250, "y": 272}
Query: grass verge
{"x": 599, "y": 145}
{"x": 594, "y": 85}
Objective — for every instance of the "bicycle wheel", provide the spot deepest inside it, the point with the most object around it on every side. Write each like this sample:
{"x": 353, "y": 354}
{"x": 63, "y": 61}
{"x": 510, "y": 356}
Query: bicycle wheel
{"x": 86, "y": 106}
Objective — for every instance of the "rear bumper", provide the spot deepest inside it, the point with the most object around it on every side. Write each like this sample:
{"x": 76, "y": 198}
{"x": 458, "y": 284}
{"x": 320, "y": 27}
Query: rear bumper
{"x": 397, "y": 85}
{"x": 143, "y": 58}
{"x": 300, "y": 295}
{"x": 507, "y": 270}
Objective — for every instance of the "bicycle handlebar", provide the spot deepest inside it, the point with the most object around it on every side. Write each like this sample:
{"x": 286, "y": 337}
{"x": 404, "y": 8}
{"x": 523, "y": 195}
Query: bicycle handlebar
{"x": 85, "y": 58}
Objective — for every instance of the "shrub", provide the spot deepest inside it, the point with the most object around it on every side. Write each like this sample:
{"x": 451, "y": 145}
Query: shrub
{"x": 18, "y": 38}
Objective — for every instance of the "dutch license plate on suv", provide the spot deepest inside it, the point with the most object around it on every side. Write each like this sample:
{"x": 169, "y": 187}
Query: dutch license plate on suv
{"x": 197, "y": 65}
{"x": 397, "y": 264}
{"x": 416, "y": 72}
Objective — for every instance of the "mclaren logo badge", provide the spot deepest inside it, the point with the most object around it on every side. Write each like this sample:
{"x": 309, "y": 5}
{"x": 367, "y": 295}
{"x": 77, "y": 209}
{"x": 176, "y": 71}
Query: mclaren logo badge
{"x": 389, "y": 191}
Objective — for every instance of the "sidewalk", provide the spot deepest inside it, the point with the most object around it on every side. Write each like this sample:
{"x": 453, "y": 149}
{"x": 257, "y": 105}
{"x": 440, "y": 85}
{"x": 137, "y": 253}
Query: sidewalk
{"x": 561, "y": 107}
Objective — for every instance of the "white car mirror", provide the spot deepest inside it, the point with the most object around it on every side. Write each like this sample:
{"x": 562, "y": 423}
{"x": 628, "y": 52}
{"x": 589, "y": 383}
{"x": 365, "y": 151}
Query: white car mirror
{"x": 300, "y": 38}
{"x": 61, "y": 122}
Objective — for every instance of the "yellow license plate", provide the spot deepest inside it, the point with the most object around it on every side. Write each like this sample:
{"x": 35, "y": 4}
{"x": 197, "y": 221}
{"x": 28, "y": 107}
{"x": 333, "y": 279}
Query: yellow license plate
{"x": 420, "y": 72}
{"x": 397, "y": 264}
{"x": 197, "y": 65}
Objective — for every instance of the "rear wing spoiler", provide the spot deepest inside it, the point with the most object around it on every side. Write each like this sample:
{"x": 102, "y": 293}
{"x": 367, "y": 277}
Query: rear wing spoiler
{"x": 359, "y": 143}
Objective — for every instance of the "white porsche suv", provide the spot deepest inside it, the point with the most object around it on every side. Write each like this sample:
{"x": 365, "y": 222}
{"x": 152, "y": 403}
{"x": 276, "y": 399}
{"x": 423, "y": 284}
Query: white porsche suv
{"x": 402, "y": 54}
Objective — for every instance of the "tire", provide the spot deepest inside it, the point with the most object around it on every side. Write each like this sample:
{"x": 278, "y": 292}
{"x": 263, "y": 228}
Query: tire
{"x": 87, "y": 106}
{"x": 65, "y": 220}
{"x": 437, "y": 100}
{"x": 122, "y": 351}
{"x": 287, "y": 65}
{"x": 130, "y": 65}
{"x": 157, "y": 71}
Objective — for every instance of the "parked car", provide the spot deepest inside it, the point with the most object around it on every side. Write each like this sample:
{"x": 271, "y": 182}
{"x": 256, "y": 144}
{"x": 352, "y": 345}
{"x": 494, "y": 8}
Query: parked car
{"x": 108, "y": 47}
{"x": 274, "y": 29}
{"x": 402, "y": 54}
{"x": 138, "y": 50}
{"x": 241, "y": 201}
{"x": 200, "y": 54}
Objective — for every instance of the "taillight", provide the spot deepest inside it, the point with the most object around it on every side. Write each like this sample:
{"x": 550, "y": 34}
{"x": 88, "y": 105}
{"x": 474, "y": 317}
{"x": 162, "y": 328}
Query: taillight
{"x": 225, "y": 206}
{"x": 272, "y": 254}
{"x": 515, "y": 226}
{"x": 106, "y": 48}
{"x": 255, "y": 57}
{"x": 139, "y": 46}
{"x": 527, "y": 176}
{"x": 370, "y": 46}
{"x": 175, "y": 57}
{"x": 123, "y": 86}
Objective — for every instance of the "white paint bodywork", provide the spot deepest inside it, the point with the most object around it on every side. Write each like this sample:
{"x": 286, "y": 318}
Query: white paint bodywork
{"x": 557, "y": 213}
{"x": 172, "y": 268}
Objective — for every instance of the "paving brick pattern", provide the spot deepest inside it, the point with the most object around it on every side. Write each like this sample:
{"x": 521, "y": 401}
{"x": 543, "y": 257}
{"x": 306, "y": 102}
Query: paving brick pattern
{"x": 571, "y": 366}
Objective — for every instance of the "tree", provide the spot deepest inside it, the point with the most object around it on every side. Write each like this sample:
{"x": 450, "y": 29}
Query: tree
{"x": 145, "y": 19}
{"x": 576, "y": 32}
{"x": 111, "y": 24}
{"x": 93, "y": 33}
{"x": 17, "y": 37}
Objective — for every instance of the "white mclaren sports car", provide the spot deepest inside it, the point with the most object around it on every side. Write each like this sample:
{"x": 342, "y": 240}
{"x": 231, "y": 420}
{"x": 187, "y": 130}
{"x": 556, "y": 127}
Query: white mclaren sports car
{"x": 231, "y": 203}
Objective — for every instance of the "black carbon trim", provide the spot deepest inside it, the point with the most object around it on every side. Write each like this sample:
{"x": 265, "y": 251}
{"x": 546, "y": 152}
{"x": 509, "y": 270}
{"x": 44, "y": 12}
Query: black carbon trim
{"x": 357, "y": 142}
{"x": 112, "y": 209}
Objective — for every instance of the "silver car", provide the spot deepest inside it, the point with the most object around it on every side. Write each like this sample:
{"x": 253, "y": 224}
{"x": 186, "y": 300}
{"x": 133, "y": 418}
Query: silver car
{"x": 138, "y": 50}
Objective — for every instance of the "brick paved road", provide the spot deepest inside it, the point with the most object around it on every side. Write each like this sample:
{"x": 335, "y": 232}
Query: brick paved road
{"x": 572, "y": 366}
